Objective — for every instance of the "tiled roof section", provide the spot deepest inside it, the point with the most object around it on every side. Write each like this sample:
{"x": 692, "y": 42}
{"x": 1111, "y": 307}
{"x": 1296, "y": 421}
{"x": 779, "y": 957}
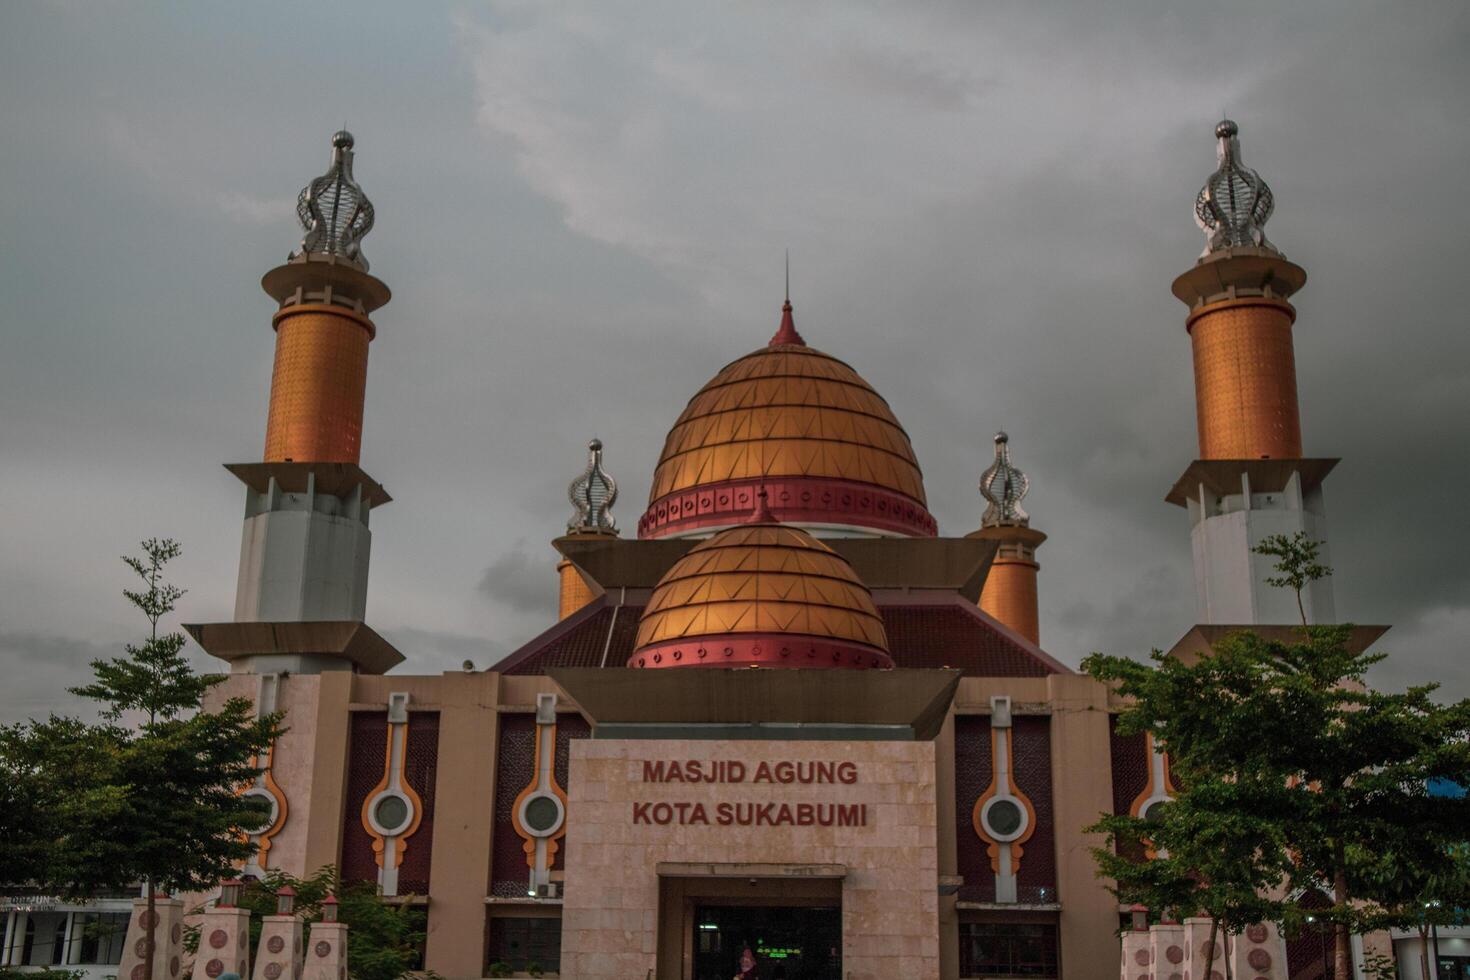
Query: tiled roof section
{"x": 950, "y": 636}
{"x": 950, "y": 633}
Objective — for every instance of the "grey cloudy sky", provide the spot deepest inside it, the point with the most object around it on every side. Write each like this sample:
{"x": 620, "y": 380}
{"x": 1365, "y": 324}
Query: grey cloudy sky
{"x": 582, "y": 210}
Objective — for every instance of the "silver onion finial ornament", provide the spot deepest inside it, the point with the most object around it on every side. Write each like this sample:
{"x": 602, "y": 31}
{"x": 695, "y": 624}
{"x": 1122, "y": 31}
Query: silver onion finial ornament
{"x": 1004, "y": 486}
{"x": 333, "y": 210}
{"x": 1235, "y": 203}
{"x": 592, "y": 495}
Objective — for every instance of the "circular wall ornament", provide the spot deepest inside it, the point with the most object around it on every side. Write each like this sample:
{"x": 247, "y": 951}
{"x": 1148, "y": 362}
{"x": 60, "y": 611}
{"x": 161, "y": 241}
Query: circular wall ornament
{"x": 272, "y": 971}
{"x": 173, "y": 966}
{"x": 137, "y": 973}
{"x": 323, "y": 948}
{"x": 1259, "y": 960}
{"x": 275, "y": 944}
{"x": 176, "y": 933}
{"x": 218, "y": 938}
{"x": 140, "y": 948}
{"x": 542, "y": 814}
{"x": 1004, "y": 818}
{"x": 214, "y": 968}
{"x": 391, "y": 813}
{"x": 1256, "y": 933}
{"x": 274, "y": 810}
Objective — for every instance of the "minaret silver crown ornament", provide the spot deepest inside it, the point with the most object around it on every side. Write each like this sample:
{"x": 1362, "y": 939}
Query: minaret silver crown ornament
{"x": 592, "y": 495}
{"x": 1004, "y": 486}
{"x": 1235, "y": 203}
{"x": 333, "y": 210}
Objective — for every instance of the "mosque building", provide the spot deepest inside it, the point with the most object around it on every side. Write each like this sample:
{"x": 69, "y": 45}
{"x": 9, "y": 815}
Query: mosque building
{"x": 786, "y": 719}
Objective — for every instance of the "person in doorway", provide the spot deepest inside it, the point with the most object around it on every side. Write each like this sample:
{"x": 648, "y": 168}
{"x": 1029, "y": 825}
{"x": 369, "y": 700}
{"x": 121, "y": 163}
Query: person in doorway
{"x": 748, "y": 968}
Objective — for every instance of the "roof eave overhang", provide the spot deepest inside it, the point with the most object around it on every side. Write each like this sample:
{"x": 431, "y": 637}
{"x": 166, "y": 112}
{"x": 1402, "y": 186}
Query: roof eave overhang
{"x": 887, "y": 704}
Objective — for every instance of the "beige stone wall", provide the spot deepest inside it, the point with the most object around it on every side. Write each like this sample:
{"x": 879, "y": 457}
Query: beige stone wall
{"x": 890, "y": 905}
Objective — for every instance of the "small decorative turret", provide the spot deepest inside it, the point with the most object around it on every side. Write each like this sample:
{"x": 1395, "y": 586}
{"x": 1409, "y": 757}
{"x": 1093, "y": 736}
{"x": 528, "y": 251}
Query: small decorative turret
{"x": 1235, "y": 203}
{"x": 333, "y": 210}
{"x": 1009, "y": 593}
{"x": 592, "y": 495}
{"x": 1004, "y": 487}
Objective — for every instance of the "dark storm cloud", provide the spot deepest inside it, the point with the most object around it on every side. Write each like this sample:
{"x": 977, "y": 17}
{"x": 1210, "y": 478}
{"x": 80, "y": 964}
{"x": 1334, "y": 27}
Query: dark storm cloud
{"x": 39, "y": 668}
{"x": 581, "y": 212}
{"x": 518, "y": 581}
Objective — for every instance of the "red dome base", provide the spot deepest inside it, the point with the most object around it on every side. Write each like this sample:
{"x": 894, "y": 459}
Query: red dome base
{"x": 792, "y": 500}
{"x": 761, "y": 650}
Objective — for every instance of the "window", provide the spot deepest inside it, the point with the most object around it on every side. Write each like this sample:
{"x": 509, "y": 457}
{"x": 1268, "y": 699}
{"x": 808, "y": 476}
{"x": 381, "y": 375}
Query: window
{"x": 1454, "y": 968}
{"x": 100, "y": 936}
{"x": 1008, "y": 949}
{"x": 519, "y": 941}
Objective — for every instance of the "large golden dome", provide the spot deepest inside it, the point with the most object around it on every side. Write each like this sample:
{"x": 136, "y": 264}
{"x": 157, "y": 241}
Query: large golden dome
{"x": 761, "y": 594}
{"x": 803, "y": 424}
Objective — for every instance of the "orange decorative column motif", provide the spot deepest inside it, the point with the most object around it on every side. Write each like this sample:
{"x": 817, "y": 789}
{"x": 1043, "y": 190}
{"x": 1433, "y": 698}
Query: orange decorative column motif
{"x": 539, "y": 815}
{"x": 1158, "y": 789}
{"x": 392, "y": 811}
{"x": 265, "y": 786}
{"x": 1003, "y": 816}
{"x": 1009, "y": 593}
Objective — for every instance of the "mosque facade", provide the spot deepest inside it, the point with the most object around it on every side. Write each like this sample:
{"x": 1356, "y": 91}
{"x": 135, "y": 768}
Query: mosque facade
{"x": 787, "y": 724}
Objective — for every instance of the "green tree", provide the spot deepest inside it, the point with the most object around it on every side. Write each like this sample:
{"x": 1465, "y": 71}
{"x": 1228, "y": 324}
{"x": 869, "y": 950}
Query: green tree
{"x": 1415, "y": 883}
{"x": 1342, "y": 770}
{"x": 151, "y": 794}
{"x": 56, "y": 784}
{"x": 1217, "y": 848}
{"x": 1296, "y": 564}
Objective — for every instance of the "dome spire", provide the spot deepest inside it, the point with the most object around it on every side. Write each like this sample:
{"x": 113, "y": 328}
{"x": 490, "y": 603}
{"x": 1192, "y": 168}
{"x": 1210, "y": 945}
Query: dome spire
{"x": 1235, "y": 203}
{"x": 762, "y": 513}
{"x": 592, "y": 495}
{"x": 1004, "y": 486}
{"x": 786, "y": 333}
{"x": 333, "y": 210}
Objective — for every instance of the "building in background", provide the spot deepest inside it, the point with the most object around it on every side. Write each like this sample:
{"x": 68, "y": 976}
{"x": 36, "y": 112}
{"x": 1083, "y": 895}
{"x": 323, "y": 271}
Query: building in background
{"x": 789, "y": 716}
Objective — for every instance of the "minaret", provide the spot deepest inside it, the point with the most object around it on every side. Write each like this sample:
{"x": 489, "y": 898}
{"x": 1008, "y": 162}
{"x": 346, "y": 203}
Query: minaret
{"x": 592, "y": 494}
{"x": 1009, "y": 593}
{"x": 304, "y": 552}
{"x": 1250, "y": 480}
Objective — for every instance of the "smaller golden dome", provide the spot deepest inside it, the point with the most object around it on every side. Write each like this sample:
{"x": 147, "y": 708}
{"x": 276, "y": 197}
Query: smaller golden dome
{"x": 761, "y": 594}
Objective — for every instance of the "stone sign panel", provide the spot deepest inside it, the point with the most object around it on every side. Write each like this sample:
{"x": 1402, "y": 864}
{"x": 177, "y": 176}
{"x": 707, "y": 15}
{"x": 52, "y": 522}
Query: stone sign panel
{"x": 864, "y": 810}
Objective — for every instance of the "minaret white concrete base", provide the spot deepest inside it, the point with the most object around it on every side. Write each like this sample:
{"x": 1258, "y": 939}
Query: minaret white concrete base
{"x": 1228, "y": 521}
{"x": 303, "y": 555}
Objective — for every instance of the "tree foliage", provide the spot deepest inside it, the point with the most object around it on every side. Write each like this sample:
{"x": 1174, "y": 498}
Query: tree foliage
{"x": 1283, "y": 742}
{"x": 384, "y": 938}
{"x": 150, "y": 794}
{"x": 177, "y": 772}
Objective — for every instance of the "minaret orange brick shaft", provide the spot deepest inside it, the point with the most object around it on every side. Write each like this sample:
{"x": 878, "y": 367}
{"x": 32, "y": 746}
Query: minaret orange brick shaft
{"x": 317, "y": 385}
{"x": 1245, "y": 379}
